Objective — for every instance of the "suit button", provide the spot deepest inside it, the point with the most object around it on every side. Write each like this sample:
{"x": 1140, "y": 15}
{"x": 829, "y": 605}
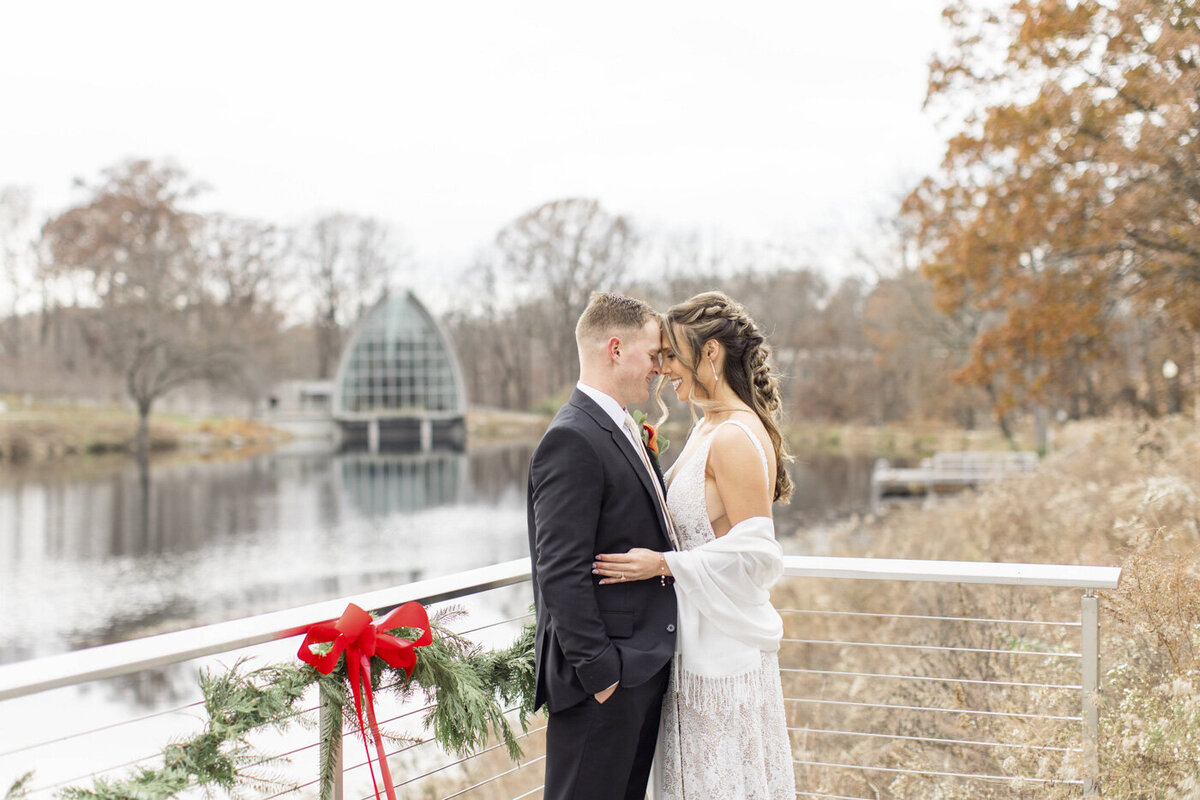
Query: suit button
{"x": 671, "y": 628}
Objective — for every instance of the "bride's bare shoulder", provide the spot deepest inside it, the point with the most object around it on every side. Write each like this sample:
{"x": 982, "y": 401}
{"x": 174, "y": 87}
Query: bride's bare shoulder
{"x": 733, "y": 449}
{"x": 738, "y": 473}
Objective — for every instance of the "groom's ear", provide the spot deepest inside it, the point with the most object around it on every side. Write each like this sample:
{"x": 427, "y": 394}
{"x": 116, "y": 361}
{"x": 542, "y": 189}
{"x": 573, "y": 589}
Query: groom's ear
{"x": 614, "y": 347}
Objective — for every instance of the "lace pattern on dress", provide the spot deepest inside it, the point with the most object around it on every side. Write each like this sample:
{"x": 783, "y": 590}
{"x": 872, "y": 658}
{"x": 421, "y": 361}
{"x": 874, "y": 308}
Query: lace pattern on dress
{"x": 720, "y": 737}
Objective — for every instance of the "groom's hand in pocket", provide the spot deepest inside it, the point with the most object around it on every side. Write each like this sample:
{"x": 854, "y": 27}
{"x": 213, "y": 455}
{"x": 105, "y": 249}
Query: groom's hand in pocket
{"x": 601, "y": 696}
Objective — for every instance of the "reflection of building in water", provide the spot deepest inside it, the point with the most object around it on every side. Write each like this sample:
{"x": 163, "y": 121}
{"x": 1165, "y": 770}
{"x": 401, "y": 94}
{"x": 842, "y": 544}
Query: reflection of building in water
{"x": 398, "y": 385}
{"x": 381, "y": 484}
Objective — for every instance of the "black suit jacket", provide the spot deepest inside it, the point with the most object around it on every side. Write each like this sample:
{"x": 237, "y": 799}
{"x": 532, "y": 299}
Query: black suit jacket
{"x": 588, "y": 494}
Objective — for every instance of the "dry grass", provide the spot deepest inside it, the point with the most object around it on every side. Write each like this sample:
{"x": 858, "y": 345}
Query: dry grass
{"x": 1115, "y": 493}
{"x": 487, "y": 426}
{"x": 46, "y": 434}
{"x": 490, "y": 775}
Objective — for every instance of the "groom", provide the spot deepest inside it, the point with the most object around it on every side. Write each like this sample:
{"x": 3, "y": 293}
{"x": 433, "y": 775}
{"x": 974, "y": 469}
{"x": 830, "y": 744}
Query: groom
{"x": 603, "y": 652}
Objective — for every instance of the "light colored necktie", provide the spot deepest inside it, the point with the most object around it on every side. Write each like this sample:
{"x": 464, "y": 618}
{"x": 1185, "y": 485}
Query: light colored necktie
{"x": 632, "y": 426}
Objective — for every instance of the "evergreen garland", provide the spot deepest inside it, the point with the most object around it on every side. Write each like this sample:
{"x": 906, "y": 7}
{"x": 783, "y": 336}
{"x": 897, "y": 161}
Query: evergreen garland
{"x": 333, "y": 702}
{"x": 471, "y": 687}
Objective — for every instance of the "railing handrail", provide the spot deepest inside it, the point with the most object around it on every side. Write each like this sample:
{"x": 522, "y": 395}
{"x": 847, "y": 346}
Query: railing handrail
{"x": 902, "y": 569}
{"x": 122, "y": 658}
{"x": 107, "y": 661}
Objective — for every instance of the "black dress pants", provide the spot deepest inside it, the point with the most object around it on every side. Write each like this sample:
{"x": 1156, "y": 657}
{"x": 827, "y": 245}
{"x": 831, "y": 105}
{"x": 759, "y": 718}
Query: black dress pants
{"x": 603, "y": 751}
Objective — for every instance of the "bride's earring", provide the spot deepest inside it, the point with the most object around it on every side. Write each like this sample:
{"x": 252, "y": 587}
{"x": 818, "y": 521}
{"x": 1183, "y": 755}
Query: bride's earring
{"x": 716, "y": 377}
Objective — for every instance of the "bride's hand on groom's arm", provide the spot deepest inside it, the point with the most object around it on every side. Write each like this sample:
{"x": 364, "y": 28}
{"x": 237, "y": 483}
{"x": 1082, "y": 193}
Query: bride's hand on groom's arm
{"x": 638, "y": 564}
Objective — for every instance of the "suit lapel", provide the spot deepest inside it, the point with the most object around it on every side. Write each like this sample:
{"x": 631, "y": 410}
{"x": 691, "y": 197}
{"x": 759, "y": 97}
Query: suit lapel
{"x": 586, "y": 404}
{"x": 658, "y": 473}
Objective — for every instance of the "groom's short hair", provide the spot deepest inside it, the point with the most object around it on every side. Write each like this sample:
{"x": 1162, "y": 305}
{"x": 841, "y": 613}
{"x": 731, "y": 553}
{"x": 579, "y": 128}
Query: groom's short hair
{"x": 609, "y": 313}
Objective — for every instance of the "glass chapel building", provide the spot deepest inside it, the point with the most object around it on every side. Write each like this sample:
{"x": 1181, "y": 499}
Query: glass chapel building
{"x": 399, "y": 383}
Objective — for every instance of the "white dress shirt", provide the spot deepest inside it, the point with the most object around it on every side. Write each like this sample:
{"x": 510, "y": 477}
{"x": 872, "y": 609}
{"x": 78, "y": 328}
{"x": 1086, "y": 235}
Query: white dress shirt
{"x": 611, "y": 407}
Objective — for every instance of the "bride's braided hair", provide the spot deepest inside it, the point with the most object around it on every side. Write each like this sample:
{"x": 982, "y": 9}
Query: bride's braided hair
{"x": 714, "y": 316}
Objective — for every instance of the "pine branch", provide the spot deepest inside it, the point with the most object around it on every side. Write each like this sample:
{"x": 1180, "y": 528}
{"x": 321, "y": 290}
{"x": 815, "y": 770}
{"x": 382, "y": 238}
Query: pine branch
{"x": 237, "y": 703}
{"x": 333, "y": 704}
{"x": 468, "y": 684}
{"x": 19, "y": 788}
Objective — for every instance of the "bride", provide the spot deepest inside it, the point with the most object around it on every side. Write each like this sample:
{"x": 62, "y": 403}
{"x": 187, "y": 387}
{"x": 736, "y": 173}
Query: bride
{"x": 723, "y": 730}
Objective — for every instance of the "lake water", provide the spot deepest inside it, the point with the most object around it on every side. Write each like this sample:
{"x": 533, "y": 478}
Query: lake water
{"x": 100, "y": 551}
{"x": 108, "y": 554}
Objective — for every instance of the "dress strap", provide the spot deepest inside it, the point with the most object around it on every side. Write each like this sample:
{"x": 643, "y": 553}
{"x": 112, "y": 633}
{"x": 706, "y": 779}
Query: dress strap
{"x": 757, "y": 444}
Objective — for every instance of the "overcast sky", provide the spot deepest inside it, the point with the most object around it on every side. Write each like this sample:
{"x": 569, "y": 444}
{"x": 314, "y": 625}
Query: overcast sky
{"x": 781, "y": 120}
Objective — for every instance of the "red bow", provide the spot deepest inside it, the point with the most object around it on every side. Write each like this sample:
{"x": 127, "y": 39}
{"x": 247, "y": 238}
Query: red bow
{"x": 361, "y": 637}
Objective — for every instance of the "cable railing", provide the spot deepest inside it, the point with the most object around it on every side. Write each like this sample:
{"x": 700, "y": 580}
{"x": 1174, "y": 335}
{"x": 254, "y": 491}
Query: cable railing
{"x": 898, "y": 676}
{"x": 68, "y": 756}
{"x": 910, "y": 694}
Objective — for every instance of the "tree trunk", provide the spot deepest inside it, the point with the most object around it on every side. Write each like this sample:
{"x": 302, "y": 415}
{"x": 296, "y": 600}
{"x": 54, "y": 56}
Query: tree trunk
{"x": 1001, "y": 419}
{"x": 141, "y": 439}
{"x": 1195, "y": 375}
{"x": 328, "y": 348}
{"x": 12, "y": 339}
{"x": 1041, "y": 425}
{"x": 44, "y": 328}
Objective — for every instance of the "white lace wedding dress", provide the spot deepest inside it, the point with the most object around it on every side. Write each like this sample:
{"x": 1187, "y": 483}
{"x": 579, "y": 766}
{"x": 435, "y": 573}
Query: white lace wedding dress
{"x": 718, "y": 740}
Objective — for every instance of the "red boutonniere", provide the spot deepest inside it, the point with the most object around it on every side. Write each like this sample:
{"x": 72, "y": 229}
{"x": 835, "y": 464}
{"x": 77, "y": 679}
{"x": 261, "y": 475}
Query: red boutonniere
{"x": 655, "y": 444}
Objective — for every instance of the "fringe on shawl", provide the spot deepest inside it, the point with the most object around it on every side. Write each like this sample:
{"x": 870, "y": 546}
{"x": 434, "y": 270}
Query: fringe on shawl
{"x": 709, "y": 694}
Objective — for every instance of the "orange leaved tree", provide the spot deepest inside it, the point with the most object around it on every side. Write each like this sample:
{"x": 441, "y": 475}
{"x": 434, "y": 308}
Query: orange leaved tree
{"x": 1069, "y": 203}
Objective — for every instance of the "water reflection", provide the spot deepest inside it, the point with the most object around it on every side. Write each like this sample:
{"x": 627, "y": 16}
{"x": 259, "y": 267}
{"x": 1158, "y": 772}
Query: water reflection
{"x": 827, "y": 486}
{"x": 121, "y": 552}
{"x": 381, "y": 483}
{"x": 117, "y": 552}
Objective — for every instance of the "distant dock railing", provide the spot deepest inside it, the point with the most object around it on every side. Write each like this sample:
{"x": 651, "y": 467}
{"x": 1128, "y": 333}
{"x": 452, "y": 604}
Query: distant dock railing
{"x": 890, "y": 690}
{"x": 947, "y": 470}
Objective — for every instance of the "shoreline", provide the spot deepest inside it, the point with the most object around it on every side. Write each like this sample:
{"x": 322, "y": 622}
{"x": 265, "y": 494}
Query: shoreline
{"x": 42, "y": 435}
{"x": 52, "y": 435}
{"x": 65, "y": 434}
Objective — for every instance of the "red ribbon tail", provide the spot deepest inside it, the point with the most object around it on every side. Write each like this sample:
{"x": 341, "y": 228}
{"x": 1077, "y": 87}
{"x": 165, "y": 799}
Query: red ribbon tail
{"x": 354, "y": 662}
{"x": 384, "y": 772}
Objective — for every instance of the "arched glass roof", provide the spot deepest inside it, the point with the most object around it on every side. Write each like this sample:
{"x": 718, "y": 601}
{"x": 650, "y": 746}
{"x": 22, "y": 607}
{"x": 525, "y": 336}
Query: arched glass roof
{"x": 398, "y": 362}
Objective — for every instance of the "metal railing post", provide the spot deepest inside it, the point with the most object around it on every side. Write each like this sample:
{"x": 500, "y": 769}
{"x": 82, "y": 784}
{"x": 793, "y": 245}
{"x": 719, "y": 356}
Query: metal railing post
{"x": 1090, "y": 649}
{"x": 331, "y": 747}
{"x": 876, "y": 484}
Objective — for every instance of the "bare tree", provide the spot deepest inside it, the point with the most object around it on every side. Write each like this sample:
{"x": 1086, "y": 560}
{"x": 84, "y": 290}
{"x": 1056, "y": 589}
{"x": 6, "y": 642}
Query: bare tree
{"x": 151, "y": 311}
{"x": 563, "y": 251}
{"x": 17, "y": 255}
{"x": 246, "y": 261}
{"x": 349, "y": 264}
{"x": 375, "y": 259}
